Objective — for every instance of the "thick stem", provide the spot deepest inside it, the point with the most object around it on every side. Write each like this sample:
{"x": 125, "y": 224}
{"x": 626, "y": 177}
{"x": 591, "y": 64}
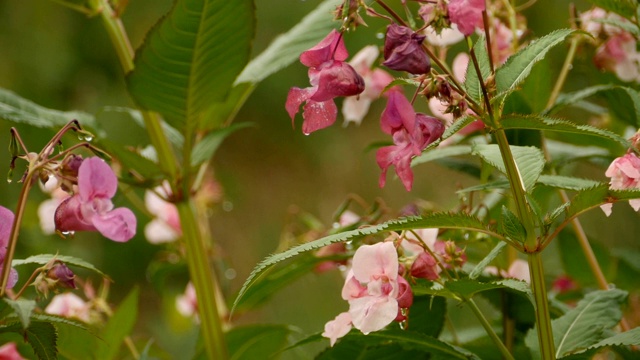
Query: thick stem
{"x": 487, "y": 327}
{"x": 543, "y": 321}
{"x": 203, "y": 280}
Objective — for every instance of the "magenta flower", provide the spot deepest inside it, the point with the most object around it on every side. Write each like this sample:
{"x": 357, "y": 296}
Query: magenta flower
{"x": 403, "y": 50}
{"x": 466, "y": 14}
{"x": 330, "y": 77}
{"x": 411, "y": 133}
{"x": 625, "y": 174}
{"x": 6, "y": 222}
{"x": 91, "y": 209}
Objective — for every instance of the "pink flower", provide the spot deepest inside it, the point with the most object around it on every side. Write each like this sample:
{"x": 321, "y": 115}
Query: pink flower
{"x": 519, "y": 269}
{"x": 47, "y": 208}
{"x": 446, "y": 37}
{"x": 91, "y": 208}
{"x": 425, "y": 267}
{"x": 619, "y": 55}
{"x": 69, "y": 305}
{"x": 563, "y": 284}
{"x": 625, "y": 174}
{"x": 355, "y": 108}
{"x": 338, "y": 327}
{"x": 502, "y": 37}
{"x": 466, "y": 14}
{"x": 403, "y": 50}
{"x": 411, "y": 133}
{"x": 165, "y": 227}
{"x": 9, "y": 351}
{"x": 187, "y": 303}
{"x": 6, "y": 222}
{"x": 330, "y": 77}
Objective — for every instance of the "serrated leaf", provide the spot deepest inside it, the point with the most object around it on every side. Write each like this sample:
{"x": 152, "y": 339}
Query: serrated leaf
{"x": 511, "y": 226}
{"x": 204, "y": 149}
{"x": 190, "y": 59}
{"x": 535, "y": 122}
{"x": 518, "y": 66}
{"x": 625, "y": 8}
{"x": 584, "y": 325}
{"x": 57, "y": 320}
{"x": 631, "y": 337}
{"x": 43, "y": 339}
{"x": 567, "y": 182}
{"x": 471, "y": 81}
{"x": 593, "y": 197}
{"x": 257, "y": 341}
{"x": 23, "y": 309}
{"x": 529, "y": 159}
{"x": 477, "y": 271}
{"x": 20, "y": 110}
{"x": 118, "y": 327}
{"x": 435, "y": 220}
{"x": 441, "y": 152}
{"x": 625, "y": 26}
{"x": 43, "y": 259}
{"x": 575, "y": 97}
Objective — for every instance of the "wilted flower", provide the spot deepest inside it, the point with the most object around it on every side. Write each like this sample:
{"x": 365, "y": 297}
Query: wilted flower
{"x": 165, "y": 227}
{"x": 91, "y": 209}
{"x": 411, "y": 133}
{"x": 6, "y": 222}
{"x": 625, "y": 174}
{"x": 403, "y": 50}
{"x": 330, "y": 77}
{"x": 69, "y": 305}
{"x": 466, "y": 14}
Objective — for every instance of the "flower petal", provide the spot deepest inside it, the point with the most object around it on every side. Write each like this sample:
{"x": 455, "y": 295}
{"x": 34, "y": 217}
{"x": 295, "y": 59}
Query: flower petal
{"x": 331, "y": 47}
{"x": 96, "y": 179}
{"x": 373, "y": 261}
{"x": 295, "y": 98}
{"x": 338, "y": 327}
{"x": 68, "y": 216}
{"x": 118, "y": 224}
{"x": 6, "y": 222}
{"x": 372, "y": 313}
{"x": 318, "y": 115}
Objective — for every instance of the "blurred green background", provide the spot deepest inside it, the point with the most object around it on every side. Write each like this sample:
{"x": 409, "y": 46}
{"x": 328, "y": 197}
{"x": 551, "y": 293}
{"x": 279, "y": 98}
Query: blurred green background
{"x": 63, "y": 60}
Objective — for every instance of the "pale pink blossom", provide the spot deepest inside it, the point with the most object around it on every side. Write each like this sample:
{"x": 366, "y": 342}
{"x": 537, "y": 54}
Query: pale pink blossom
{"x": 338, "y": 327}
{"x": 502, "y": 37}
{"x": 187, "y": 303}
{"x": 354, "y": 108}
{"x": 447, "y": 37}
{"x": 589, "y": 23}
{"x": 330, "y": 77}
{"x": 619, "y": 55}
{"x": 69, "y": 305}
{"x": 625, "y": 174}
{"x": 6, "y": 223}
{"x": 165, "y": 227}
{"x": 91, "y": 209}
{"x": 9, "y": 351}
{"x": 47, "y": 208}
{"x": 466, "y": 14}
{"x": 519, "y": 269}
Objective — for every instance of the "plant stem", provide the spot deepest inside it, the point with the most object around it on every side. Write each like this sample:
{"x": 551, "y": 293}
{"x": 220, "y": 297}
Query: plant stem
{"x": 200, "y": 269}
{"x": 543, "y": 322}
{"x": 573, "y": 46}
{"x": 487, "y": 327}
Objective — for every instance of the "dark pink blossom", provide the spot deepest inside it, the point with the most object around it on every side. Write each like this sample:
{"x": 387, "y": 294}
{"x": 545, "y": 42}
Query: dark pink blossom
{"x": 466, "y": 14}
{"x": 403, "y": 50}
{"x": 425, "y": 267}
{"x": 91, "y": 209}
{"x": 330, "y": 77}
{"x": 6, "y": 222}
{"x": 411, "y": 133}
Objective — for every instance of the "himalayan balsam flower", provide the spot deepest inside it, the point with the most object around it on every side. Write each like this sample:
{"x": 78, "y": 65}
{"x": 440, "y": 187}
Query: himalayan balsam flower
{"x": 6, "y": 222}
{"x": 620, "y": 56}
{"x": 165, "y": 227}
{"x": 91, "y": 208}
{"x": 466, "y": 14}
{"x": 411, "y": 134}
{"x": 625, "y": 174}
{"x": 403, "y": 50}
{"x": 354, "y": 108}
{"x": 330, "y": 77}
{"x": 9, "y": 351}
{"x": 519, "y": 269}
{"x": 69, "y": 305}
{"x": 47, "y": 208}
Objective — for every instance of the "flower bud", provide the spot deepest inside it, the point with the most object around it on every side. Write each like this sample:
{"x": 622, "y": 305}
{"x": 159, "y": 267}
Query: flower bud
{"x": 63, "y": 275}
{"x": 403, "y": 50}
{"x": 425, "y": 267}
{"x": 337, "y": 79}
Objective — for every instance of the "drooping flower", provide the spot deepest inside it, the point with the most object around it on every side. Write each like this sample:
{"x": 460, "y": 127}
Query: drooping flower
{"x": 411, "y": 134}
{"x": 69, "y": 305}
{"x": 466, "y": 14}
{"x": 91, "y": 209}
{"x": 403, "y": 50}
{"x": 625, "y": 174}
{"x": 330, "y": 77}
{"x": 9, "y": 351}
{"x": 354, "y": 108}
{"x": 6, "y": 222}
{"x": 165, "y": 227}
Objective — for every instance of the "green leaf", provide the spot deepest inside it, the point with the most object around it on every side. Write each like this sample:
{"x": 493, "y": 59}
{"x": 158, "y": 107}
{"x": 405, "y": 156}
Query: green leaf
{"x": 172, "y": 134}
{"x": 435, "y": 220}
{"x": 518, "y": 66}
{"x": 137, "y": 169}
{"x": 190, "y": 59}
{"x": 43, "y": 259}
{"x": 58, "y": 320}
{"x": 535, "y": 122}
{"x": 477, "y": 271}
{"x": 441, "y": 152}
{"x": 204, "y": 150}
{"x": 529, "y": 159}
{"x": 462, "y": 289}
{"x": 427, "y": 315}
{"x": 20, "y": 110}
{"x": 23, "y": 308}
{"x": 567, "y": 182}
{"x": 43, "y": 339}
{"x": 626, "y": 8}
{"x": 631, "y": 337}
{"x": 498, "y": 184}
{"x": 119, "y": 326}
{"x": 624, "y": 26}
{"x": 511, "y": 226}
{"x": 590, "y": 198}
{"x": 76, "y": 343}
{"x": 584, "y": 325}
{"x": 471, "y": 81}
{"x": 257, "y": 341}
{"x": 628, "y": 93}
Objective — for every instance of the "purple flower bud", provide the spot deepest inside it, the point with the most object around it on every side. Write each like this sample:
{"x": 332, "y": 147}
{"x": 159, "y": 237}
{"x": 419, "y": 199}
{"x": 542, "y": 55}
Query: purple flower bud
{"x": 403, "y": 50}
{"x": 63, "y": 275}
